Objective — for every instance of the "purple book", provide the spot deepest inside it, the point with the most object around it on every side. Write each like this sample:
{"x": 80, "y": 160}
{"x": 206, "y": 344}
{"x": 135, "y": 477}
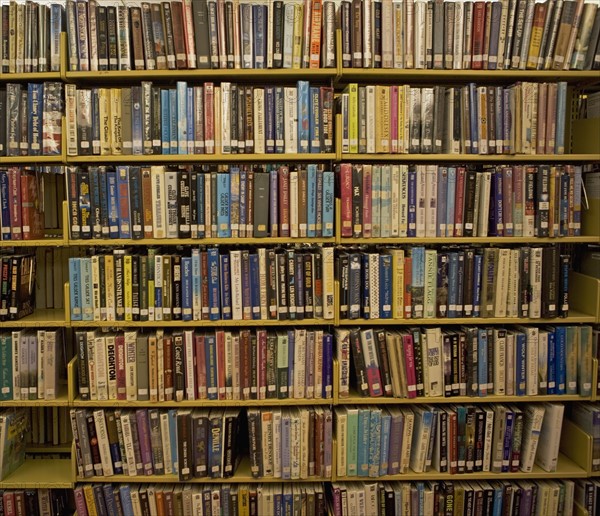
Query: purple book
{"x": 143, "y": 431}
{"x": 395, "y": 453}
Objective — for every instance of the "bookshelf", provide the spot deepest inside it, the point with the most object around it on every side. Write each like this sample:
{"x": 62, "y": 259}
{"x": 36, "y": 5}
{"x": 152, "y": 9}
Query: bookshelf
{"x": 575, "y": 459}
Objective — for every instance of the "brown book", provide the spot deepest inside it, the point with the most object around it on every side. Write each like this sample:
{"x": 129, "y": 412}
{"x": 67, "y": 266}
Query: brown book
{"x": 245, "y": 364}
{"x": 564, "y": 34}
{"x": 537, "y": 31}
{"x": 551, "y": 95}
{"x": 478, "y": 36}
{"x": 356, "y": 34}
{"x": 137, "y": 38}
{"x": 179, "y": 34}
{"x": 487, "y": 34}
{"x": 31, "y": 216}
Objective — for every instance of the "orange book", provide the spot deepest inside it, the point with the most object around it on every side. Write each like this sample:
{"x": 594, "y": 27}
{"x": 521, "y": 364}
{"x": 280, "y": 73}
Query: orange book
{"x": 315, "y": 34}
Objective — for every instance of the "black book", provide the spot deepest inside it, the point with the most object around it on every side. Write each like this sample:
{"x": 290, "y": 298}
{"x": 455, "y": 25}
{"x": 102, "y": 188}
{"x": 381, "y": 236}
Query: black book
{"x": 418, "y": 356}
{"x": 309, "y": 260}
{"x": 93, "y": 439}
{"x": 272, "y": 284}
{"x": 282, "y": 282}
{"x": 112, "y": 39}
{"x": 233, "y": 120}
{"x": 200, "y": 439}
{"x": 156, "y": 123}
{"x": 135, "y": 287}
{"x": 524, "y": 270}
{"x": 479, "y": 439}
{"x": 563, "y": 292}
{"x": 358, "y": 361}
{"x": 229, "y": 34}
{"x": 160, "y": 49}
{"x": 200, "y": 14}
{"x": 384, "y": 363}
{"x": 377, "y": 39}
{"x": 255, "y": 444}
{"x": 240, "y": 134}
{"x": 176, "y": 296}
{"x": 356, "y": 34}
{"x": 230, "y": 440}
{"x": 291, "y": 283}
{"x": 346, "y": 23}
{"x": 82, "y": 365}
{"x": 469, "y": 217}
{"x": 135, "y": 202}
{"x": 143, "y": 287}
{"x": 99, "y": 501}
{"x": 184, "y": 444}
{"x": 542, "y": 200}
{"x": 550, "y": 281}
{"x": 102, "y": 40}
{"x": 184, "y": 204}
{"x": 261, "y": 204}
{"x": 342, "y": 274}
{"x": 278, "y": 34}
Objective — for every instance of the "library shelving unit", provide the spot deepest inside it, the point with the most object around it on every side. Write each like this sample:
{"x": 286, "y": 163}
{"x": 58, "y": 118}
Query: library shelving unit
{"x": 576, "y": 446}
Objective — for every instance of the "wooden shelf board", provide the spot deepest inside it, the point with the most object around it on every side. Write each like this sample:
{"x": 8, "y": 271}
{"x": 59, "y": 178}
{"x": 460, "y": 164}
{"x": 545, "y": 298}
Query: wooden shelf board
{"x": 48, "y": 448}
{"x": 574, "y": 317}
{"x": 61, "y": 401}
{"x": 201, "y": 158}
{"x": 566, "y": 469}
{"x": 44, "y": 242}
{"x": 40, "y": 473}
{"x": 200, "y": 241}
{"x": 473, "y": 158}
{"x": 217, "y": 75}
{"x": 470, "y": 240}
{"x": 29, "y": 77}
{"x": 354, "y": 399}
{"x": 223, "y": 323}
{"x": 203, "y": 403}
{"x": 242, "y": 474}
{"x": 32, "y": 160}
{"x": 39, "y": 318}
{"x": 460, "y": 76}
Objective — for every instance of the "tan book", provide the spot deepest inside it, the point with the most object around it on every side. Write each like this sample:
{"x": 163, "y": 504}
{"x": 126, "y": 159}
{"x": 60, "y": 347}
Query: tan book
{"x": 537, "y": 31}
{"x": 542, "y": 102}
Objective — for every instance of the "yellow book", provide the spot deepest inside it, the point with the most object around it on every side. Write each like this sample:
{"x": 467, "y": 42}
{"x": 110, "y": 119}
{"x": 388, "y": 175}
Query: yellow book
{"x": 243, "y": 500}
{"x": 128, "y": 286}
{"x": 298, "y": 33}
{"x": 88, "y": 492}
{"x": 352, "y": 91}
{"x": 105, "y": 130}
{"x": 116, "y": 122}
{"x": 382, "y": 123}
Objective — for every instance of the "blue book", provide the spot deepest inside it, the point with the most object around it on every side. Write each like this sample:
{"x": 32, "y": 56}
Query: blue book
{"x": 96, "y": 122}
{"x": 212, "y": 389}
{"x": 288, "y": 501}
{"x": 303, "y": 116}
{"x": 173, "y": 438}
{"x": 190, "y": 112}
{"x": 374, "y": 442}
{"x": 200, "y": 192}
{"x": 126, "y": 504}
{"x": 311, "y": 200}
{"x": 173, "y": 144}
{"x": 412, "y": 202}
{"x": 113, "y": 204}
{"x": 181, "y": 117}
{"x": 260, "y": 36}
{"x": 215, "y": 446}
{"x": 386, "y": 425}
{"x": 452, "y": 284}
{"x": 364, "y": 421}
{"x": 561, "y": 109}
{"x": 461, "y": 423}
{"x": 551, "y": 361}
{"x": 442, "y": 193}
{"x": 279, "y": 120}
{"x": 520, "y": 363}
{"x": 508, "y": 433}
{"x": 498, "y": 498}
{"x": 35, "y": 93}
{"x": 225, "y": 286}
{"x": 75, "y": 292}
{"x": 196, "y": 285}
{"x": 474, "y": 112}
{"x": 460, "y": 283}
{"x": 223, "y": 205}
{"x": 482, "y": 361}
{"x": 103, "y": 187}
{"x": 278, "y": 504}
{"x": 315, "y": 120}
{"x": 213, "y": 284}
{"x": 186, "y": 288}
{"x": 96, "y": 207}
{"x": 123, "y": 201}
{"x": 5, "y": 205}
{"x": 165, "y": 121}
{"x": 269, "y": 119}
{"x": 418, "y": 281}
{"x": 328, "y": 203}
{"x": 137, "y": 147}
{"x": 385, "y": 286}
{"x": 327, "y": 366}
{"x": 87, "y": 307}
{"x": 560, "y": 338}
{"x": 255, "y": 286}
{"x": 477, "y": 271}
{"x": 450, "y": 201}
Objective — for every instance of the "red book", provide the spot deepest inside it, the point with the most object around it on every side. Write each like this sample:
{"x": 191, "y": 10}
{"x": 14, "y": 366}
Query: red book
{"x": 346, "y": 198}
{"x": 261, "y": 339}
{"x": 200, "y": 366}
{"x": 478, "y": 35}
{"x": 31, "y": 213}
{"x": 367, "y": 201}
{"x": 220, "y": 338}
{"x": 315, "y": 33}
{"x": 179, "y": 34}
{"x": 459, "y": 203}
{"x": 284, "y": 201}
{"x": 168, "y": 367}
{"x": 14, "y": 188}
{"x": 245, "y": 364}
{"x": 408, "y": 349}
{"x": 209, "y": 117}
{"x": 9, "y": 503}
{"x": 121, "y": 377}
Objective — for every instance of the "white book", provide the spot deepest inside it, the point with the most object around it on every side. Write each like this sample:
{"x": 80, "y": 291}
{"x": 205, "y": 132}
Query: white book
{"x": 166, "y": 443}
{"x": 484, "y": 204}
{"x": 288, "y": 33}
{"x": 136, "y": 503}
{"x": 512, "y": 304}
{"x": 542, "y": 360}
{"x": 341, "y": 425}
{"x": 407, "y": 435}
{"x": 103, "y": 445}
{"x": 403, "y": 202}
{"x": 130, "y": 365}
{"x": 267, "y": 445}
{"x": 226, "y": 139}
{"x": 16, "y": 369}
{"x": 429, "y": 308}
{"x": 371, "y": 494}
{"x": 395, "y": 201}
{"x": 535, "y": 282}
{"x": 373, "y": 286}
{"x": 502, "y": 283}
{"x": 190, "y": 373}
{"x": 387, "y": 37}
{"x": 547, "y": 455}
{"x": 157, "y": 174}
{"x": 398, "y": 16}
{"x": 91, "y": 358}
{"x": 24, "y": 365}
{"x": 532, "y": 425}
{"x": 290, "y": 113}
{"x": 419, "y": 31}
{"x": 296, "y": 440}
{"x": 420, "y": 441}
{"x": 277, "y": 442}
{"x": 300, "y": 363}
{"x": 531, "y": 355}
{"x": 235, "y": 264}
{"x": 458, "y": 36}
{"x": 434, "y": 362}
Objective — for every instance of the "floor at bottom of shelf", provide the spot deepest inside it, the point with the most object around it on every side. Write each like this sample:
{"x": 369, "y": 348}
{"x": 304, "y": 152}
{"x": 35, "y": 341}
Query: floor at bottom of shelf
{"x": 566, "y": 469}
{"x": 40, "y": 473}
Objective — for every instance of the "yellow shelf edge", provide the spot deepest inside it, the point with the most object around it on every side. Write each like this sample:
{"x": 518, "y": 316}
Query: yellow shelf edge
{"x": 40, "y": 473}
{"x": 469, "y": 240}
{"x": 203, "y": 403}
{"x": 483, "y": 158}
{"x": 362, "y": 400}
{"x": 200, "y": 241}
{"x": 201, "y": 158}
